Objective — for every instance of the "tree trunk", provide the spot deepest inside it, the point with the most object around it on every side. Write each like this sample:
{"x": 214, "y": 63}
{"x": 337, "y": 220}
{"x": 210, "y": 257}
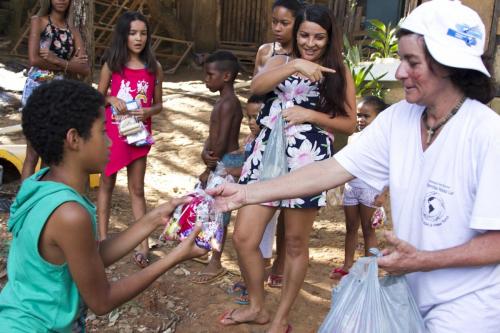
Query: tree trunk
{"x": 83, "y": 19}
{"x": 166, "y": 19}
{"x": 16, "y": 7}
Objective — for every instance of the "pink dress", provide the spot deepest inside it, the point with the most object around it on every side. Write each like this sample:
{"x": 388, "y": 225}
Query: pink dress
{"x": 138, "y": 84}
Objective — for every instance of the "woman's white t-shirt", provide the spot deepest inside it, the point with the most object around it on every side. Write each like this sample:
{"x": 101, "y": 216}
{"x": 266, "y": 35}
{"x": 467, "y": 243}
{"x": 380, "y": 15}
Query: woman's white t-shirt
{"x": 440, "y": 198}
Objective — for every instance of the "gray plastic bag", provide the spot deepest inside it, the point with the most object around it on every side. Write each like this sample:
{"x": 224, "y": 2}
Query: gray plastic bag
{"x": 274, "y": 160}
{"x": 363, "y": 303}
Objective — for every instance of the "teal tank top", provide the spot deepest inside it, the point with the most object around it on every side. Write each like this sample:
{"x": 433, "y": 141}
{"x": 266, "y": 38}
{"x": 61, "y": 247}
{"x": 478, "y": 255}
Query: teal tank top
{"x": 40, "y": 296}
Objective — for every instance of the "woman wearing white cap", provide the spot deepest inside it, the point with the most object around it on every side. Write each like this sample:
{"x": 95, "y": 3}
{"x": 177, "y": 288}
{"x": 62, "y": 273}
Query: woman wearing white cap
{"x": 439, "y": 152}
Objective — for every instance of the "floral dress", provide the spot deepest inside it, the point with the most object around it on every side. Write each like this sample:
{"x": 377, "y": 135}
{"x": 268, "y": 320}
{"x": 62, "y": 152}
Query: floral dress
{"x": 306, "y": 143}
{"x": 61, "y": 42}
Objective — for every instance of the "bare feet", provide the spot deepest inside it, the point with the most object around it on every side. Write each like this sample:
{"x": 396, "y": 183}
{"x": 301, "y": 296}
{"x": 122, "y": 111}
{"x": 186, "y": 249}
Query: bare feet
{"x": 247, "y": 315}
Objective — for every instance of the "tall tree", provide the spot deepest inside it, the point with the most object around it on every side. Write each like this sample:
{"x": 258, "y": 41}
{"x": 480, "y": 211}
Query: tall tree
{"x": 83, "y": 19}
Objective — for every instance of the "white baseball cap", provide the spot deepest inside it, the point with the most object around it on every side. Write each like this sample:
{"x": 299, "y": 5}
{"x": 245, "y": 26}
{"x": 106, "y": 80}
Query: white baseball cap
{"x": 454, "y": 34}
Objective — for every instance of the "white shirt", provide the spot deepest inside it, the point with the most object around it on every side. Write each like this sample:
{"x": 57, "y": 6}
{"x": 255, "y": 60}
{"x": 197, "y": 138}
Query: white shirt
{"x": 440, "y": 198}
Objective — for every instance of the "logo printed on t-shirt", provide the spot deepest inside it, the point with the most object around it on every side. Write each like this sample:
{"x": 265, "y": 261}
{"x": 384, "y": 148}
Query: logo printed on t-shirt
{"x": 434, "y": 207}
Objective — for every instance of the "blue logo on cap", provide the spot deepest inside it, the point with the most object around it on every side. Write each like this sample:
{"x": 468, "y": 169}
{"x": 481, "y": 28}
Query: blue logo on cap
{"x": 466, "y": 33}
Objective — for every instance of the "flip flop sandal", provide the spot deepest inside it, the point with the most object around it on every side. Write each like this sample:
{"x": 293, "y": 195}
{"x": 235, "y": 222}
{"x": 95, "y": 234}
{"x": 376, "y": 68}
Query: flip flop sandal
{"x": 288, "y": 329}
{"x": 243, "y": 298}
{"x": 275, "y": 281}
{"x": 140, "y": 259}
{"x": 237, "y": 288}
{"x": 211, "y": 277}
{"x": 337, "y": 273}
{"x": 228, "y": 315}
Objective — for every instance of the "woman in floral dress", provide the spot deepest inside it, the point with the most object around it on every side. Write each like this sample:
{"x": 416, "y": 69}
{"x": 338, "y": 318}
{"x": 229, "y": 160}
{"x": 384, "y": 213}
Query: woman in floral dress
{"x": 55, "y": 49}
{"x": 315, "y": 94}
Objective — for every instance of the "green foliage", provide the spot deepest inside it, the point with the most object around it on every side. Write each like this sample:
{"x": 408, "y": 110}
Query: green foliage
{"x": 364, "y": 81}
{"x": 383, "y": 40}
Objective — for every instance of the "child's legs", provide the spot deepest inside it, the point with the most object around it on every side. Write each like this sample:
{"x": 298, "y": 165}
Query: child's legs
{"x": 135, "y": 176}
{"x": 106, "y": 186}
{"x": 266, "y": 245}
{"x": 279, "y": 262}
{"x": 298, "y": 225}
{"x": 30, "y": 161}
{"x": 369, "y": 236}
{"x": 352, "y": 221}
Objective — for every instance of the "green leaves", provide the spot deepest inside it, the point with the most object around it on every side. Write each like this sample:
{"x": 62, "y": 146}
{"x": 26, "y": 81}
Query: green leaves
{"x": 364, "y": 81}
{"x": 383, "y": 40}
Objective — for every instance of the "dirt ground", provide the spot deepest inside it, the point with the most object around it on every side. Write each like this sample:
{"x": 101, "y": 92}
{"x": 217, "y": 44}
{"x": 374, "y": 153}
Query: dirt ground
{"x": 172, "y": 303}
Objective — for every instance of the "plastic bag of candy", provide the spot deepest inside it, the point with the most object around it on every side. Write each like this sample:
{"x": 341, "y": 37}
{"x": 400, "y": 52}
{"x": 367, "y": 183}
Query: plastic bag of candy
{"x": 199, "y": 211}
{"x": 219, "y": 176}
{"x": 134, "y": 132}
{"x": 378, "y": 218}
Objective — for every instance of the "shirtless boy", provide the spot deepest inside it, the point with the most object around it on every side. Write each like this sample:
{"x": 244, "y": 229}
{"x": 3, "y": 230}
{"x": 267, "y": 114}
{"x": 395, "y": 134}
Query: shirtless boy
{"x": 221, "y": 69}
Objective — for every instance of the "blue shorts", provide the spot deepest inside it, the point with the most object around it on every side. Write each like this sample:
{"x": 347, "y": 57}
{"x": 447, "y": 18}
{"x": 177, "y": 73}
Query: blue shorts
{"x": 233, "y": 160}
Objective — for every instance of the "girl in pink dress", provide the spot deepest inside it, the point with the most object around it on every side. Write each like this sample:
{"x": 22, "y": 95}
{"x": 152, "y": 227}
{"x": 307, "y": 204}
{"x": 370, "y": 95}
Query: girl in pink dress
{"x": 134, "y": 75}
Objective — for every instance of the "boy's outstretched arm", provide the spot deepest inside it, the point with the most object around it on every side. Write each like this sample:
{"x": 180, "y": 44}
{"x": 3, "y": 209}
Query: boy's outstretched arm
{"x": 118, "y": 245}
{"x": 70, "y": 230}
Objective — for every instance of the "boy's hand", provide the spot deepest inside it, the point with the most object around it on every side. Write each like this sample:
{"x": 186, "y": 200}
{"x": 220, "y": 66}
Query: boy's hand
{"x": 162, "y": 214}
{"x": 188, "y": 249}
{"x": 209, "y": 159}
{"x": 204, "y": 178}
{"x": 118, "y": 104}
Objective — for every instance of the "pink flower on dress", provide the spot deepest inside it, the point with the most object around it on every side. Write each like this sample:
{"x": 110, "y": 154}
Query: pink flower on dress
{"x": 297, "y": 90}
{"x": 57, "y": 44}
{"x": 294, "y": 132}
{"x": 306, "y": 154}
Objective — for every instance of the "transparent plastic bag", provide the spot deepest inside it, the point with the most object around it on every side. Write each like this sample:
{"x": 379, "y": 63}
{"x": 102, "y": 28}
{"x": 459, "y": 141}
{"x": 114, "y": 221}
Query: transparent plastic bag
{"x": 200, "y": 211}
{"x": 378, "y": 218}
{"x": 363, "y": 303}
{"x": 219, "y": 176}
{"x": 274, "y": 160}
{"x": 134, "y": 132}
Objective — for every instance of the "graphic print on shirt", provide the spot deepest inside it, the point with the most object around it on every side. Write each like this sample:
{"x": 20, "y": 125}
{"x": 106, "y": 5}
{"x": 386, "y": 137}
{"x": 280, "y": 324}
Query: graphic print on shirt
{"x": 434, "y": 206}
{"x": 125, "y": 94}
{"x": 142, "y": 91}
{"x": 125, "y": 91}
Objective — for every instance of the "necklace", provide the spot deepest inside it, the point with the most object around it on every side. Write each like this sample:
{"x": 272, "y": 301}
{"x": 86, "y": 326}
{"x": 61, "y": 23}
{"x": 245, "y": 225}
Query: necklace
{"x": 432, "y": 130}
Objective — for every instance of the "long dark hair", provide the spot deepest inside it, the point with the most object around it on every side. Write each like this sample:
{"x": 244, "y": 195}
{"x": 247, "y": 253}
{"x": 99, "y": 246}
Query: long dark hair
{"x": 293, "y": 6}
{"x": 473, "y": 84}
{"x": 117, "y": 55}
{"x": 332, "y": 89}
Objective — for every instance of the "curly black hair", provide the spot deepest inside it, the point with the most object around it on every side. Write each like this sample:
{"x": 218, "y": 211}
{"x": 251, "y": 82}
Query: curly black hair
{"x": 53, "y": 109}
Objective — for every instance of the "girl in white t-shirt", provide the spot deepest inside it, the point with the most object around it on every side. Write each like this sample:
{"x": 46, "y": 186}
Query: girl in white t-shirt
{"x": 360, "y": 200}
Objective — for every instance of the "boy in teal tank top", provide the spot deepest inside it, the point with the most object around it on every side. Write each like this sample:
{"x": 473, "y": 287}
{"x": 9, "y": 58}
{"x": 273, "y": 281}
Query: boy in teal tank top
{"x": 56, "y": 264}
